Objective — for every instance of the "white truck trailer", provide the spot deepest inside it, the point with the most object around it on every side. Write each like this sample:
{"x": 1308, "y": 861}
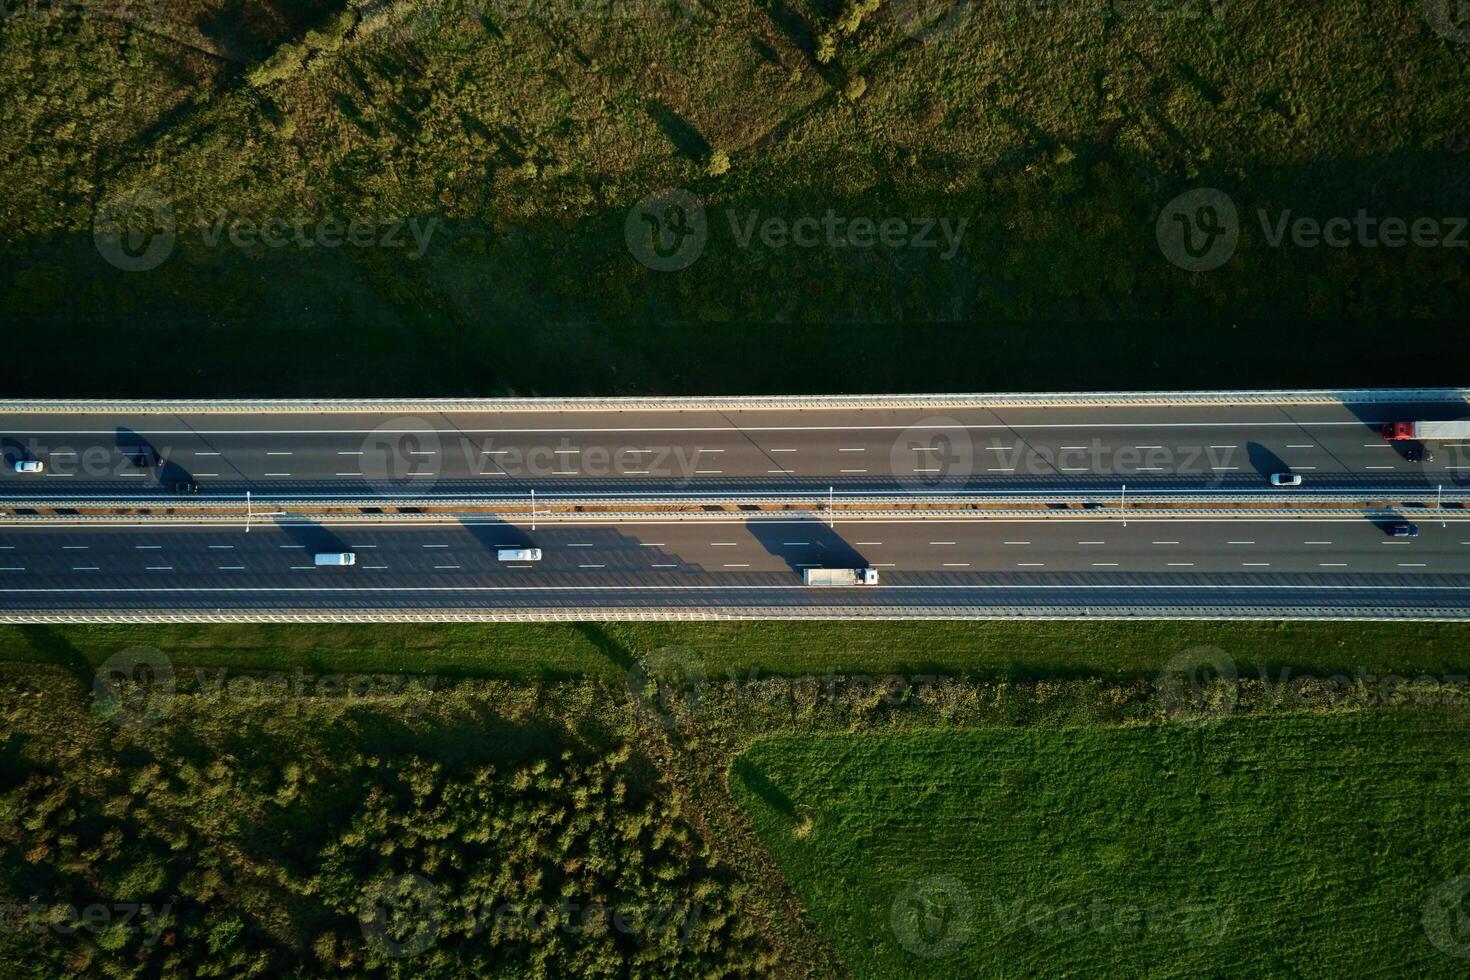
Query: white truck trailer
{"x": 1426, "y": 431}
{"x": 839, "y": 576}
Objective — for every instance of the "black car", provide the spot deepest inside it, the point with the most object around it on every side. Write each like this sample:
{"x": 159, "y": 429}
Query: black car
{"x": 1418, "y": 454}
{"x": 1404, "y": 530}
{"x": 186, "y": 487}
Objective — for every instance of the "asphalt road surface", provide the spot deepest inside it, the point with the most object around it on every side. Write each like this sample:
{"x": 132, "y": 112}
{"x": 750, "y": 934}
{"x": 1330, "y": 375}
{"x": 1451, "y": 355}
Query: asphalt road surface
{"x": 1211, "y": 448}
{"x": 1056, "y": 565}
{"x": 1076, "y": 565}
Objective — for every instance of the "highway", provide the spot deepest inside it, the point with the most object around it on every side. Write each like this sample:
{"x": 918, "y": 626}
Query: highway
{"x": 1097, "y": 564}
{"x": 699, "y": 452}
{"x": 147, "y": 566}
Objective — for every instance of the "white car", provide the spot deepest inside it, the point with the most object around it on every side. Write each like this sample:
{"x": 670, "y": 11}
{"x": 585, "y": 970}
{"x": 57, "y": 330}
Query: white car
{"x": 29, "y": 466}
{"x": 336, "y": 558}
{"x": 1286, "y": 479}
{"x": 518, "y": 554}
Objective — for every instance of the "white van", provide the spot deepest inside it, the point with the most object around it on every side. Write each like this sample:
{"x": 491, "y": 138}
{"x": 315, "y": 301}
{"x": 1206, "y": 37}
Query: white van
{"x": 336, "y": 558}
{"x": 518, "y": 554}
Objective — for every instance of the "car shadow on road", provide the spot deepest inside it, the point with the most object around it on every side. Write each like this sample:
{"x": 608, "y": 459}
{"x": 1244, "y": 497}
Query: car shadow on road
{"x": 1264, "y": 461}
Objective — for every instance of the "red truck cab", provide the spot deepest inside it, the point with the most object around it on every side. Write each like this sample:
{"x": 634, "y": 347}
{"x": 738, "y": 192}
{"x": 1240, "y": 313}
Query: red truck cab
{"x": 1398, "y": 431}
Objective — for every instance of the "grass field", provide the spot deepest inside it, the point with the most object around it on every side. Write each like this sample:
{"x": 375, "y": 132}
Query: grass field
{"x": 526, "y": 135}
{"x": 1264, "y": 846}
{"x": 740, "y": 651}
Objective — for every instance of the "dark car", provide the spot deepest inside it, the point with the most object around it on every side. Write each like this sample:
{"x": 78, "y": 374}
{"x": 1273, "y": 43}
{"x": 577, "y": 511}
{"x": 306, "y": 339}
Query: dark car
{"x": 1418, "y": 454}
{"x": 1404, "y": 530}
{"x": 186, "y": 487}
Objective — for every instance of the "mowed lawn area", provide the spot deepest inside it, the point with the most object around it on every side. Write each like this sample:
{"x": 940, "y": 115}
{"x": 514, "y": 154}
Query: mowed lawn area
{"x": 1286, "y": 845}
{"x": 752, "y": 650}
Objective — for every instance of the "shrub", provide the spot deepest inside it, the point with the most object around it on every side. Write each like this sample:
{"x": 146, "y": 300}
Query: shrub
{"x": 826, "y": 47}
{"x": 286, "y": 61}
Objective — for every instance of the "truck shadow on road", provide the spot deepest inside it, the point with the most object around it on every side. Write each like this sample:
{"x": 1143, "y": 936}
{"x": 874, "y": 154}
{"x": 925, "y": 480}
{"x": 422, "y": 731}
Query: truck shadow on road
{"x": 311, "y": 538}
{"x": 805, "y": 543}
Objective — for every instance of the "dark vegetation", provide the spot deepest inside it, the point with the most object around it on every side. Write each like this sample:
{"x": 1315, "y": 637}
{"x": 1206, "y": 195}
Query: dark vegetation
{"x": 527, "y": 132}
{"x": 473, "y": 832}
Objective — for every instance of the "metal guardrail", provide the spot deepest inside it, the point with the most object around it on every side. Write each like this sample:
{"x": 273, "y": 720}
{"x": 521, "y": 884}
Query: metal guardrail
{"x": 876, "y": 613}
{"x": 765, "y": 500}
{"x": 1347, "y": 396}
